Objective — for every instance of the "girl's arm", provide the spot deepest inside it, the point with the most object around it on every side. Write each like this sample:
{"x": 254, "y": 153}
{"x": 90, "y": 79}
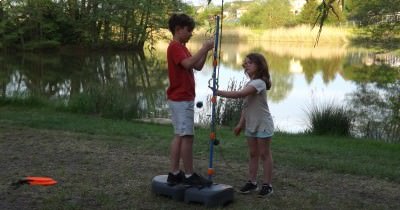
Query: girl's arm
{"x": 248, "y": 90}
{"x": 240, "y": 125}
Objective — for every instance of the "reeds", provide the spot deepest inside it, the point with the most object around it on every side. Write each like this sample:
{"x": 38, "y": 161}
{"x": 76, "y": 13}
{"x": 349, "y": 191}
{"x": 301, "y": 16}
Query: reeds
{"x": 229, "y": 110}
{"x": 329, "y": 119}
{"x": 106, "y": 101}
{"x": 300, "y": 33}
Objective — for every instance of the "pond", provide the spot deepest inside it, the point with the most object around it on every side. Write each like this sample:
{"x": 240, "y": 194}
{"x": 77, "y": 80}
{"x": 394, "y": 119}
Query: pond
{"x": 301, "y": 74}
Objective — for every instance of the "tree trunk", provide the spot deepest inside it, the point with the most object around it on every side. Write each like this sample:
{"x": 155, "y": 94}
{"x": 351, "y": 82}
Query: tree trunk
{"x": 125, "y": 29}
{"x": 141, "y": 36}
{"x": 107, "y": 31}
{"x": 82, "y": 12}
{"x": 1, "y": 10}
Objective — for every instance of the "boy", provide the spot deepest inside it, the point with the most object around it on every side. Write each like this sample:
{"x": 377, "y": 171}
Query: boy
{"x": 181, "y": 94}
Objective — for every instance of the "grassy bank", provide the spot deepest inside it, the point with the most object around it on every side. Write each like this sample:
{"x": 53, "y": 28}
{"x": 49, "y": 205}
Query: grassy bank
{"x": 298, "y": 34}
{"x": 108, "y": 164}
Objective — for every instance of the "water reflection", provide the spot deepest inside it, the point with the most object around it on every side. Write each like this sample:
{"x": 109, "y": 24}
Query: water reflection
{"x": 63, "y": 76}
{"x": 301, "y": 75}
{"x": 376, "y": 102}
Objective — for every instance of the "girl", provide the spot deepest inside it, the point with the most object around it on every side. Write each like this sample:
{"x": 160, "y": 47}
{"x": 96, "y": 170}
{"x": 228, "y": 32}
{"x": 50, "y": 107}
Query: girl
{"x": 256, "y": 121}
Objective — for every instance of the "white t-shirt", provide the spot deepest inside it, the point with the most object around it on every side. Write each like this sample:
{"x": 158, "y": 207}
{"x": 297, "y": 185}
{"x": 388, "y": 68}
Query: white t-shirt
{"x": 256, "y": 111}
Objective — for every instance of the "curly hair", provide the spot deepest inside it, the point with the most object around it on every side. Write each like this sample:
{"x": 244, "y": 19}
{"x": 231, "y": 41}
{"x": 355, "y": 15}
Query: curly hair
{"x": 181, "y": 20}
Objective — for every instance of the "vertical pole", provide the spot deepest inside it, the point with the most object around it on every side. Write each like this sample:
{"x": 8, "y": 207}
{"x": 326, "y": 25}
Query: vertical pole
{"x": 211, "y": 171}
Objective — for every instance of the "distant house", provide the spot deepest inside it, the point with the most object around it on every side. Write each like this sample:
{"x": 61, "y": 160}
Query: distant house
{"x": 391, "y": 18}
{"x": 385, "y": 18}
{"x": 297, "y": 5}
{"x": 234, "y": 9}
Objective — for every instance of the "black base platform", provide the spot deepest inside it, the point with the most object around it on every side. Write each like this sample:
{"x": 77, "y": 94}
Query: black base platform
{"x": 160, "y": 186}
{"x": 217, "y": 195}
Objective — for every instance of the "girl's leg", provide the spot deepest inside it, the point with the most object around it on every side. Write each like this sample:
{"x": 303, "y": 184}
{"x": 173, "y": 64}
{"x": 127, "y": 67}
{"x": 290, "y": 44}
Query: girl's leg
{"x": 264, "y": 150}
{"x": 253, "y": 162}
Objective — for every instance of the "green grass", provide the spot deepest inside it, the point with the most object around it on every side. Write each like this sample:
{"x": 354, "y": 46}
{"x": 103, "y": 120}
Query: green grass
{"x": 108, "y": 164}
{"x": 339, "y": 155}
{"x": 342, "y": 155}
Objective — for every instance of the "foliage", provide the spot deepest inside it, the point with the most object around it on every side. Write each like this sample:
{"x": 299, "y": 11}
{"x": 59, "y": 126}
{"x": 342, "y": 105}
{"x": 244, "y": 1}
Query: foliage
{"x": 268, "y": 14}
{"x": 376, "y": 16}
{"x": 42, "y": 45}
{"x": 378, "y": 74}
{"x": 368, "y": 12}
{"x": 377, "y": 114}
{"x": 309, "y": 13}
{"x": 206, "y": 17}
{"x": 329, "y": 119}
{"x": 229, "y": 110}
{"x": 312, "y": 9}
{"x": 24, "y": 101}
{"x": 104, "y": 101}
{"x": 98, "y": 23}
{"x": 124, "y": 85}
{"x": 325, "y": 9}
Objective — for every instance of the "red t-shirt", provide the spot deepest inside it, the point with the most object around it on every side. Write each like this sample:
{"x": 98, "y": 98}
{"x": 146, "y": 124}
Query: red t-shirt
{"x": 181, "y": 80}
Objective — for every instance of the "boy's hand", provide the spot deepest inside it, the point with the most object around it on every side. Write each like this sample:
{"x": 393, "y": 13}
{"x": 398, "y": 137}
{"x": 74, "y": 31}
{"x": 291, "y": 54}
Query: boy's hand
{"x": 209, "y": 44}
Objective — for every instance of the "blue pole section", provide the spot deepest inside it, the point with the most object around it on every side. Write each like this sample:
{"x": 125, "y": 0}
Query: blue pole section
{"x": 210, "y": 171}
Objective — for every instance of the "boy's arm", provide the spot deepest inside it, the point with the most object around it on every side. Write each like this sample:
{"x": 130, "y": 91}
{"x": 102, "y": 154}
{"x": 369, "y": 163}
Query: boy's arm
{"x": 199, "y": 65}
{"x": 197, "y": 60}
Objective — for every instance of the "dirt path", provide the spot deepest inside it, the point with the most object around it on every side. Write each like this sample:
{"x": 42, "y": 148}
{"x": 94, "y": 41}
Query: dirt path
{"x": 98, "y": 174}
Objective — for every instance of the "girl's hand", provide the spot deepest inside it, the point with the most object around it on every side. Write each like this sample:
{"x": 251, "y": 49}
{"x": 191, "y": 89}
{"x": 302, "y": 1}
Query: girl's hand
{"x": 237, "y": 130}
{"x": 213, "y": 89}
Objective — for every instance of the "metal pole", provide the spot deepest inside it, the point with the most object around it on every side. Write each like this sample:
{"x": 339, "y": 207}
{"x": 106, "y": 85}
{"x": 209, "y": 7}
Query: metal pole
{"x": 213, "y": 139}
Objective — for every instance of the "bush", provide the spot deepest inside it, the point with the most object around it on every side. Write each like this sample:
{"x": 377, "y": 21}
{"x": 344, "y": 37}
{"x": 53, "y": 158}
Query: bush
{"x": 22, "y": 100}
{"x": 228, "y": 109}
{"x": 43, "y": 45}
{"x": 329, "y": 119}
{"x": 107, "y": 101}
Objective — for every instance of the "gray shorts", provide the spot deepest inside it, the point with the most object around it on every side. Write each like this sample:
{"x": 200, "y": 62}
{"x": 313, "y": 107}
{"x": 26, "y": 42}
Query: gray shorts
{"x": 182, "y": 116}
{"x": 258, "y": 134}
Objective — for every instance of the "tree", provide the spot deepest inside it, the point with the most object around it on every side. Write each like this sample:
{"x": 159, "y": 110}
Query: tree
{"x": 209, "y": 12}
{"x": 92, "y": 23}
{"x": 268, "y": 14}
{"x": 309, "y": 13}
{"x": 380, "y": 18}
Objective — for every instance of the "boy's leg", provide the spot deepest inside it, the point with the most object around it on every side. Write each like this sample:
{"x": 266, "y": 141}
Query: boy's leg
{"x": 175, "y": 153}
{"x": 182, "y": 116}
{"x": 187, "y": 153}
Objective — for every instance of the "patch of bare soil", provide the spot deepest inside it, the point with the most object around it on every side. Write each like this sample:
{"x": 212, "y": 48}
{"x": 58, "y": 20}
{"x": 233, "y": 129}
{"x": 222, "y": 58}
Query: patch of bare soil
{"x": 93, "y": 173}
